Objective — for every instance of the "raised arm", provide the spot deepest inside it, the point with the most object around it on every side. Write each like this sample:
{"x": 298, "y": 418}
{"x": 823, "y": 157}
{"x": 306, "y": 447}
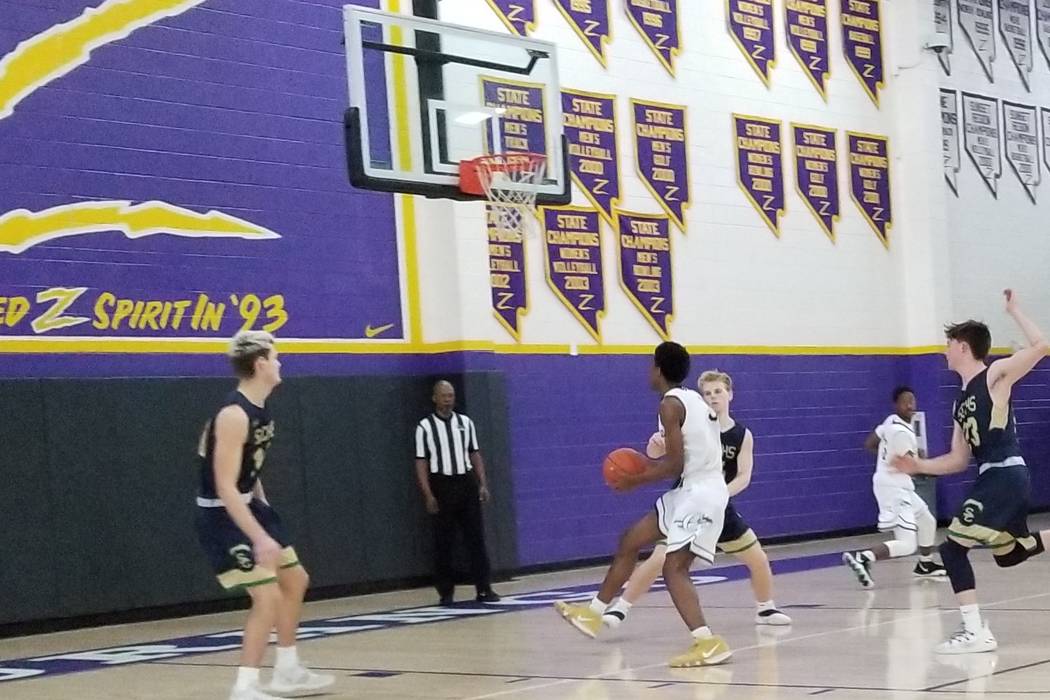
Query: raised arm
{"x": 1010, "y": 369}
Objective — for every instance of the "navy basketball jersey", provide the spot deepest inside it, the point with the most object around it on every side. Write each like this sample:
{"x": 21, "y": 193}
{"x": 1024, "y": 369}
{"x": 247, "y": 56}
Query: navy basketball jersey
{"x": 989, "y": 430}
{"x": 260, "y": 435}
{"x": 732, "y": 441}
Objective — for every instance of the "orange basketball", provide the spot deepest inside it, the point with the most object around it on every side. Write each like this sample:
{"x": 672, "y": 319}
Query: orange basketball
{"x": 623, "y": 460}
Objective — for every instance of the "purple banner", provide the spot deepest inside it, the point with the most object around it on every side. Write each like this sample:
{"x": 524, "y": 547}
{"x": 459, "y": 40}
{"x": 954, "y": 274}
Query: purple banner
{"x": 590, "y": 129}
{"x": 645, "y": 267}
{"x": 510, "y": 299}
{"x": 942, "y": 24}
{"x": 661, "y": 154}
{"x": 981, "y": 137}
{"x": 591, "y": 22}
{"x": 574, "y": 263}
{"x": 816, "y": 173}
{"x": 751, "y": 26}
{"x": 518, "y": 15}
{"x": 807, "y": 36}
{"x": 1042, "y": 27}
{"x": 1045, "y": 113}
{"x": 760, "y": 166}
{"x": 657, "y": 22}
{"x": 1021, "y": 134}
{"x": 522, "y": 127}
{"x": 977, "y": 23}
{"x": 950, "y": 138}
{"x": 869, "y": 177}
{"x": 862, "y": 43}
{"x": 1015, "y": 24}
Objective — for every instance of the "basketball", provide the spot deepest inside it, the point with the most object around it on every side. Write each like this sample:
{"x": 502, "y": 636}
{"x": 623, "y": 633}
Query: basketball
{"x": 623, "y": 460}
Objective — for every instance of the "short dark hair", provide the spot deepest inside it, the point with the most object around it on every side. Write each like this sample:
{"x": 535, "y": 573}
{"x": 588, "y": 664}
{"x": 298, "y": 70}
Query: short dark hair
{"x": 673, "y": 361}
{"x": 973, "y": 333}
{"x": 902, "y": 389}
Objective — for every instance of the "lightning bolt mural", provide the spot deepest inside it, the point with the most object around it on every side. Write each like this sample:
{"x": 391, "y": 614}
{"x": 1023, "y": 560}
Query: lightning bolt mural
{"x": 22, "y": 229}
{"x": 61, "y": 49}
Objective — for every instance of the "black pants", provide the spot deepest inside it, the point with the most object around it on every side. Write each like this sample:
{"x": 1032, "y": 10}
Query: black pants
{"x": 458, "y": 509}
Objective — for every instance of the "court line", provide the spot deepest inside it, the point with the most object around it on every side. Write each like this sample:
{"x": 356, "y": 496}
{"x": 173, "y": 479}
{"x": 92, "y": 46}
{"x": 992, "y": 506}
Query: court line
{"x": 989, "y": 675}
{"x": 785, "y": 640}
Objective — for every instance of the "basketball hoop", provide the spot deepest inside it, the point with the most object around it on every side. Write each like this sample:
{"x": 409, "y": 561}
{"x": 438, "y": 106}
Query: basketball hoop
{"x": 510, "y": 182}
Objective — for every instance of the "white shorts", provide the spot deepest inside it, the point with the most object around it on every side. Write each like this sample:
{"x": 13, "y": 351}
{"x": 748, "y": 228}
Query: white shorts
{"x": 691, "y": 516}
{"x": 899, "y": 507}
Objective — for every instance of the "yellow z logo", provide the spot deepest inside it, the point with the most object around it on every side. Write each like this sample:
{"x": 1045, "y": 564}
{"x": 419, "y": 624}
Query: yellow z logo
{"x": 767, "y": 205}
{"x": 757, "y": 52}
{"x": 876, "y": 214}
{"x": 504, "y": 301}
{"x": 868, "y": 70}
{"x": 671, "y": 193}
{"x": 589, "y": 26}
{"x": 814, "y": 63}
{"x": 52, "y": 319}
{"x": 661, "y": 41}
{"x": 655, "y": 307}
{"x": 824, "y": 209}
{"x": 599, "y": 187}
{"x": 513, "y": 11}
{"x": 585, "y": 302}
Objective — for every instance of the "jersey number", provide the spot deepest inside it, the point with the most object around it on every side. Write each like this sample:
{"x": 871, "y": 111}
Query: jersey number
{"x": 971, "y": 433}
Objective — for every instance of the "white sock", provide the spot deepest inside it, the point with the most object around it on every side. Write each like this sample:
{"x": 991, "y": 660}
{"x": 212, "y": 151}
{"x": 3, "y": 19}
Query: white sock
{"x": 868, "y": 555}
{"x": 701, "y": 632}
{"x": 287, "y": 658}
{"x": 767, "y": 605}
{"x": 246, "y": 677}
{"x": 899, "y": 549}
{"x": 971, "y": 615}
{"x": 597, "y": 605}
{"x": 621, "y": 606}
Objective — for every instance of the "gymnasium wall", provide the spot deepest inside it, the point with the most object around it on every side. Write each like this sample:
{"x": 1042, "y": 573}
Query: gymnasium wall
{"x": 198, "y": 151}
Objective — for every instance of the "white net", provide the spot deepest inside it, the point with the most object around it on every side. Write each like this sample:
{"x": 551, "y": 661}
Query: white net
{"x": 511, "y": 182}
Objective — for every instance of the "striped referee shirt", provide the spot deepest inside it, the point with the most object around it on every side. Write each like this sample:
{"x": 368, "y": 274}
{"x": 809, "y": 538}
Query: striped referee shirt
{"x": 446, "y": 443}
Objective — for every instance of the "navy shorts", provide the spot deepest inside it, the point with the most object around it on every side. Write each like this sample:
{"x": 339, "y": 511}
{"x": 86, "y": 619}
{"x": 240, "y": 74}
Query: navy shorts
{"x": 736, "y": 533}
{"x": 995, "y": 512}
{"x": 229, "y": 550}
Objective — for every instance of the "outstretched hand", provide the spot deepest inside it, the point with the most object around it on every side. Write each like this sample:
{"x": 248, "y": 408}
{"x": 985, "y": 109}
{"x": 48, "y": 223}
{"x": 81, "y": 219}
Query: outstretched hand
{"x": 1011, "y": 300}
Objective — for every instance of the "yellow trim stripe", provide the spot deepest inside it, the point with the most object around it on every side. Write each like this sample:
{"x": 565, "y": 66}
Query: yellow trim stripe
{"x": 319, "y": 346}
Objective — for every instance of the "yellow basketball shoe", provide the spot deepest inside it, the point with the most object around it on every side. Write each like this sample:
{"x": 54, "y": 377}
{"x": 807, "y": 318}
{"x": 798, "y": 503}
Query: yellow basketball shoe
{"x": 581, "y": 617}
{"x": 704, "y": 652}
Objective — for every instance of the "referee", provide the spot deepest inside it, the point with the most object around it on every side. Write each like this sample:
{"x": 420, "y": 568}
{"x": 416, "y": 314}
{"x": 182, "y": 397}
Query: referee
{"x": 451, "y": 476}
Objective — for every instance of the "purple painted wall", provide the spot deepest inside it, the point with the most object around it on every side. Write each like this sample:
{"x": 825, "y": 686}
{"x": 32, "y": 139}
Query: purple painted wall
{"x": 234, "y": 106}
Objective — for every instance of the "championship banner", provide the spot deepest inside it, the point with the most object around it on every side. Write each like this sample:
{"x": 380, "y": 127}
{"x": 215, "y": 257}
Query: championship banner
{"x": 760, "y": 166}
{"x": 510, "y": 298}
{"x": 1046, "y": 136}
{"x": 976, "y": 21}
{"x": 950, "y": 138}
{"x": 862, "y": 43}
{"x": 981, "y": 137}
{"x": 645, "y": 267}
{"x": 661, "y": 154}
{"x": 751, "y": 26}
{"x": 522, "y": 125}
{"x": 591, "y": 22}
{"x": 1021, "y": 134}
{"x": 816, "y": 173}
{"x": 657, "y": 22}
{"x": 1042, "y": 27}
{"x": 518, "y": 15}
{"x": 1015, "y": 24}
{"x": 590, "y": 129}
{"x": 807, "y": 37}
{"x": 573, "y": 244}
{"x": 942, "y": 24}
{"x": 869, "y": 177}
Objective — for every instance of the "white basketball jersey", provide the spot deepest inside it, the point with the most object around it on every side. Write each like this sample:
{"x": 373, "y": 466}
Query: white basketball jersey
{"x": 701, "y": 438}
{"x": 896, "y": 438}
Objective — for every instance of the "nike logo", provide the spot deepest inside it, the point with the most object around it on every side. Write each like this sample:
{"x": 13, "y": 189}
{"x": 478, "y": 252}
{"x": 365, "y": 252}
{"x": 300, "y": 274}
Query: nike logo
{"x": 709, "y": 653}
{"x": 378, "y": 330}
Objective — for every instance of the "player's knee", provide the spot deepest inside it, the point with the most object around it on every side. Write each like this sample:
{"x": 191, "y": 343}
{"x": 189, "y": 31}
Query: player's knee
{"x": 956, "y": 560}
{"x": 294, "y": 578}
{"x": 676, "y": 565}
{"x": 1019, "y": 551}
{"x": 266, "y": 598}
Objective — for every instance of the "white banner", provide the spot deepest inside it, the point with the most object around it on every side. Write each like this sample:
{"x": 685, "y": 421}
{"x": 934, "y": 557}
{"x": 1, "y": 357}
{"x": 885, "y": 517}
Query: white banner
{"x": 1015, "y": 24}
{"x": 1021, "y": 130}
{"x": 950, "y": 137}
{"x": 942, "y": 23}
{"x": 977, "y": 22}
{"x": 1042, "y": 26}
{"x": 981, "y": 137}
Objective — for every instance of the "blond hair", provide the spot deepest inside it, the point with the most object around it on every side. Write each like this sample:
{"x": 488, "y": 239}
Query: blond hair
{"x": 713, "y": 375}
{"x": 245, "y": 348}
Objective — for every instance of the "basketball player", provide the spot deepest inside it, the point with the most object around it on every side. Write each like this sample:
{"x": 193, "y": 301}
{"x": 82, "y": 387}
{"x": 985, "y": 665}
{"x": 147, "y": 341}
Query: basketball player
{"x": 239, "y": 531}
{"x": 901, "y": 510}
{"x": 737, "y": 538}
{"x": 688, "y": 516}
{"x": 996, "y": 509}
